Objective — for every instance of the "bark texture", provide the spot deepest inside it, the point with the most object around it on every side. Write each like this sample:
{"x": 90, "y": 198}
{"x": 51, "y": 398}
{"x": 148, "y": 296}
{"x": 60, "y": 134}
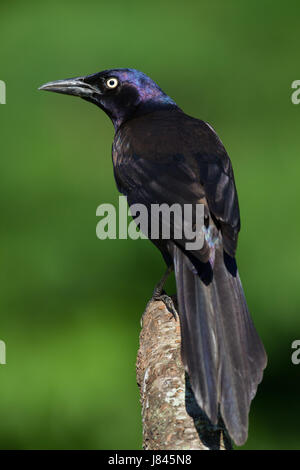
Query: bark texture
{"x": 172, "y": 420}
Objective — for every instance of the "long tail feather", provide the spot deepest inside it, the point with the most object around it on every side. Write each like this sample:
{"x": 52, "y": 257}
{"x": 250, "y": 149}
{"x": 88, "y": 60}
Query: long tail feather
{"x": 221, "y": 349}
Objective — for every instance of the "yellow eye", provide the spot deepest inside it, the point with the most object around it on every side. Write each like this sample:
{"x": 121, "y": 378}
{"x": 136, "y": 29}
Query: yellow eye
{"x": 112, "y": 82}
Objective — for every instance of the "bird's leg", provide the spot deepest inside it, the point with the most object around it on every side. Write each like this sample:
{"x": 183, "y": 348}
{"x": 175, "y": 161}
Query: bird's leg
{"x": 160, "y": 294}
{"x": 158, "y": 289}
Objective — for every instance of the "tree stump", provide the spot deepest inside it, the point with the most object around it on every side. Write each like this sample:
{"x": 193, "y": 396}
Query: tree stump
{"x": 172, "y": 420}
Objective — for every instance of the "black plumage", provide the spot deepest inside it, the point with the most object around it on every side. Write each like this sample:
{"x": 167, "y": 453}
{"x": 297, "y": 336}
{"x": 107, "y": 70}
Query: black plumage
{"x": 161, "y": 155}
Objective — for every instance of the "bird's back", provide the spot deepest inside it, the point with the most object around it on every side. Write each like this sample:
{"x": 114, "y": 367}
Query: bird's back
{"x": 178, "y": 159}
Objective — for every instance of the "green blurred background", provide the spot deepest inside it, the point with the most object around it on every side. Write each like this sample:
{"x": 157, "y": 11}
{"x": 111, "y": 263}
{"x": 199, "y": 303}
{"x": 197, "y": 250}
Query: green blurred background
{"x": 70, "y": 303}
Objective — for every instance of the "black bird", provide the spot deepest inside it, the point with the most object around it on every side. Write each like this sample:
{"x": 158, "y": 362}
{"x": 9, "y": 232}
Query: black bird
{"x": 162, "y": 155}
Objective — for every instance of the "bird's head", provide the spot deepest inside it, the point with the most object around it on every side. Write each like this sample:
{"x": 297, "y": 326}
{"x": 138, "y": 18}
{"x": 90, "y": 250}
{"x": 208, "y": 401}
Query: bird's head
{"x": 121, "y": 93}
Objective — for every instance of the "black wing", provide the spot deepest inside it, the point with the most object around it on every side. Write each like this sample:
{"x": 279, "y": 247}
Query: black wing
{"x": 169, "y": 157}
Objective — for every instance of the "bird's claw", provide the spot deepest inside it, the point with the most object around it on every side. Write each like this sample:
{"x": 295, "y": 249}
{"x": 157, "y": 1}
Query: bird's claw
{"x": 160, "y": 295}
{"x": 168, "y": 301}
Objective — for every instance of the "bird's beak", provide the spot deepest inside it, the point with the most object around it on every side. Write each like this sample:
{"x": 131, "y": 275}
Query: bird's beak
{"x": 72, "y": 86}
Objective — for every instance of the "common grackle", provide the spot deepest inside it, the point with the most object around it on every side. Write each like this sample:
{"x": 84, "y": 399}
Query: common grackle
{"x": 162, "y": 155}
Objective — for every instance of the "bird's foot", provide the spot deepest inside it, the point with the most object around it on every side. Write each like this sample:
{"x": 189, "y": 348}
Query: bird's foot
{"x": 168, "y": 301}
{"x": 160, "y": 295}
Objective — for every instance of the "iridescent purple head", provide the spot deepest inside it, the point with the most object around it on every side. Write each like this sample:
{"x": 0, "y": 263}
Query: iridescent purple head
{"x": 121, "y": 93}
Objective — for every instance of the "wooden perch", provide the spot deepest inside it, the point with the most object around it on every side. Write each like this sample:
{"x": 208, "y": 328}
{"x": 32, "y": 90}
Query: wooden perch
{"x": 172, "y": 420}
